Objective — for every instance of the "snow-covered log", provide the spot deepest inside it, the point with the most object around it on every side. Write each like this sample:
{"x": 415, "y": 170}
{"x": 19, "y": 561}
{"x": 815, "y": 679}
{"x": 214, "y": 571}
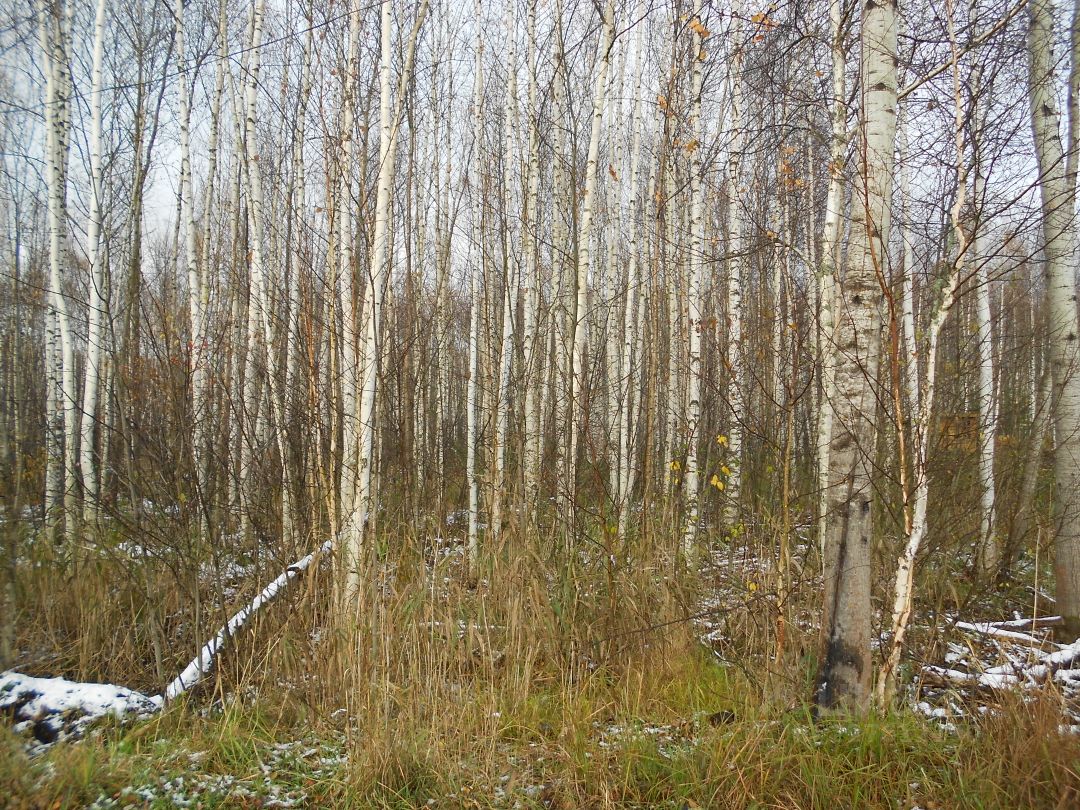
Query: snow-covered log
{"x": 1029, "y": 624}
{"x": 54, "y": 709}
{"x": 991, "y": 629}
{"x": 1012, "y": 674}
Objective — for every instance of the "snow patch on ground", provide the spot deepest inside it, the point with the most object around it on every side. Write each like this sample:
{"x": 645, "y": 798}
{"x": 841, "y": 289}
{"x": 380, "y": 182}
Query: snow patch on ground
{"x": 54, "y": 709}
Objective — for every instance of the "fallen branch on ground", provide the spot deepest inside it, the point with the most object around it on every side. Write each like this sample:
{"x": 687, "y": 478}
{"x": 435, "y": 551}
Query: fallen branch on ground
{"x": 203, "y": 663}
{"x": 54, "y": 709}
{"x": 1012, "y": 674}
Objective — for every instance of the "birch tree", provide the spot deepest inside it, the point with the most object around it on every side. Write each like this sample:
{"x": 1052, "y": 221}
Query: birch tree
{"x": 97, "y": 305}
{"x": 923, "y": 400}
{"x": 1060, "y": 250}
{"x": 476, "y": 275}
{"x": 501, "y": 435}
{"x": 697, "y": 285}
{"x": 830, "y": 255}
{"x": 736, "y": 262}
{"x": 578, "y": 369}
{"x": 631, "y": 360}
{"x": 356, "y": 524}
{"x": 844, "y": 679}
{"x": 54, "y": 35}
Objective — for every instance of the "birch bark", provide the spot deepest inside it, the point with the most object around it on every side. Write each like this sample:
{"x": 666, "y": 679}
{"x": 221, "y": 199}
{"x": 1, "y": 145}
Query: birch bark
{"x": 830, "y": 253}
{"x": 509, "y": 285}
{"x": 1061, "y": 253}
{"x": 54, "y": 34}
{"x": 630, "y": 368}
{"x": 356, "y": 524}
{"x": 579, "y": 421}
{"x": 844, "y": 679}
{"x": 533, "y": 381}
{"x": 97, "y": 304}
{"x": 696, "y": 297}
{"x": 475, "y": 303}
{"x": 736, "y": 271}
{"x": 903, "y": 589}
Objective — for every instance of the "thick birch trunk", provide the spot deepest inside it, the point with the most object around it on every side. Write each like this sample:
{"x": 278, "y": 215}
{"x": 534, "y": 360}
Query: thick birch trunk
{"x": 1061, "y": 253}
{"x": 844, "y": 679}
{"x": 54, "y": 33}
{"x": 830, "y": 255}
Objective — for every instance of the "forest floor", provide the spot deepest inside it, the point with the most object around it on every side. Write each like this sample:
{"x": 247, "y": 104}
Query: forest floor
{"x": 692, "y": 720}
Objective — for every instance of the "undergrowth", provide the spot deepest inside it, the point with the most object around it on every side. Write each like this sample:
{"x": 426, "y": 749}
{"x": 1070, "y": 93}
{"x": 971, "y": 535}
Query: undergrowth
{"x": 679, "y": 732}
{"x": 534, "y": 681}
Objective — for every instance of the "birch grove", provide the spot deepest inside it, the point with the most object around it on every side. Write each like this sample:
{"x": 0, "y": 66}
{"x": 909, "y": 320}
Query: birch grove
{"x": 646, "y": 290}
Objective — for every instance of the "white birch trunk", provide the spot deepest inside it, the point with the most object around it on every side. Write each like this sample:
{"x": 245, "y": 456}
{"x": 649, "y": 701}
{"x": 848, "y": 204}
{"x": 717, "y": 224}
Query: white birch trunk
{"x": 611, "y": 278}
{"x": 476, "y": 277}
{"x": 1061, "y": 253}
{"x": 562, "y": 309}
{"x": 356, "y": 524}
{"x": 351, "y": 321}
{"x": 260, "y": 286}
{"x": 203, "y": 428}
{"x": 630, "y": 364}
{"x": 97, "y": 304}
{"x": 578, "y": 360}
{"x": 903, "y": 593}
{"x": 844, "y": 680}
{"x": 288, "y": 518}
{"x": 509, "y": 286}
{"x": 533, "y": 378}
{"x": 830, "y": 254}
{"x": 53, "y": 35}
{"x": 673, "y": 277}
{"x": 736, "y": 272}
{"x": 196, "y": 276}
{"x": 990, "y": 547}
{"x": 696, "y": 297}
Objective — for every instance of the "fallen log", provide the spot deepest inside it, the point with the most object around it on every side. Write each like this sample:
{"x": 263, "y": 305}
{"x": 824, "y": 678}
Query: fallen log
{"x": 201, "y": 665}
{"x": 54, "y": 709}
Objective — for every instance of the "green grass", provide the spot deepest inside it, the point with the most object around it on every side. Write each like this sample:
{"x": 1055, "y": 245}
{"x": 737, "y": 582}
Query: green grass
{"x": 527, "y": 686}
{"x": 684, "y": 733}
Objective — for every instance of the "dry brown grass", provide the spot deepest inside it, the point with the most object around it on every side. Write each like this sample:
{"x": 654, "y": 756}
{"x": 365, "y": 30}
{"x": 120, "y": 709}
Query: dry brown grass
{"x": 535, "y": 681}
